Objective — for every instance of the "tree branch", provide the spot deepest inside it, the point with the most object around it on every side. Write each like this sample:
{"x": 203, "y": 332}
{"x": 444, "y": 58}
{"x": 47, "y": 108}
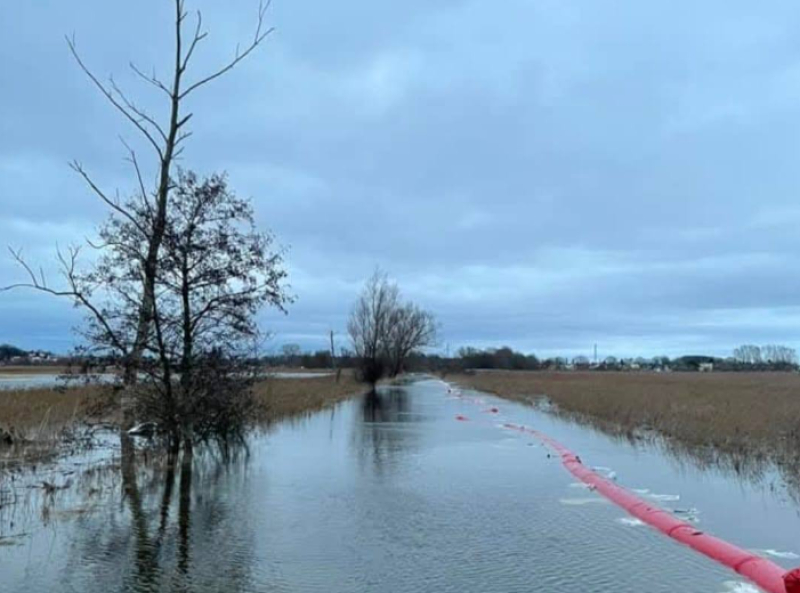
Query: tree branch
{"x": 150, "y": 79}
{"x": 68, "y": 269}
{"x": 78, "y": 168}
{"x": 110, "y": 96}
{"x": 258, "y": 37}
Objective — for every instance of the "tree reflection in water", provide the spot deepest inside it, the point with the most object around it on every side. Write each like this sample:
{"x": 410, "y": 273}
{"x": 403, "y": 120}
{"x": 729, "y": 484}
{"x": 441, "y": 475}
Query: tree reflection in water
{"x": 382, "y": 430}
{"x": 195, "y": 539}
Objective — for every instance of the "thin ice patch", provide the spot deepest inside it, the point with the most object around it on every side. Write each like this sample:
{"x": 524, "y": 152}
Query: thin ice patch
{"x": 576, "y": 502}
{"x": 580, "y": 485}
{"x": 666, "y": 497}
{"x": 778, "y": 554}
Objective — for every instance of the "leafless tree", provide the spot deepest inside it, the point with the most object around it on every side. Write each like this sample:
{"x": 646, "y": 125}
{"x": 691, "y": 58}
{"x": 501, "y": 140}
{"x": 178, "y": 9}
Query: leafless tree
{"x": 778, "y": 354}
{"x": 166, "y": 140}
{"x": 384, "y": 331}
{"x": 748, "y": 354}
{"x": 291, "y": 353}
{"x": 410, "y": 328}
{"x": 369, "y": 326}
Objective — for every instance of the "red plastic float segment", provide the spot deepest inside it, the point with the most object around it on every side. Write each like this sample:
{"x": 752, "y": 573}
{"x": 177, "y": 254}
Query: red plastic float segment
{"x": 791, "y": 581}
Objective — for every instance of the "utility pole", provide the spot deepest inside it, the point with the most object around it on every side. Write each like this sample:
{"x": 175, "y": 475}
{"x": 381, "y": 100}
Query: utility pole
{"x": 333, "y": 357}
{"x": 595, "y": 353}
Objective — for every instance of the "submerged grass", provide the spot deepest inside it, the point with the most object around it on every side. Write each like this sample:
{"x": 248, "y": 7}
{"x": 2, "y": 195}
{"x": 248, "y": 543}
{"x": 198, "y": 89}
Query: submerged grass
{"x": 747, "y": 416}
{"x": 35, "y": 413}
{"x": 40, "y": 421}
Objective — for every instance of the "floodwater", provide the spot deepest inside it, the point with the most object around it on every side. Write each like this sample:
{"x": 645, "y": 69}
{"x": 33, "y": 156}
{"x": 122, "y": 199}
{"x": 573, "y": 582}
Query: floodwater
{"x": 388, "y": 493}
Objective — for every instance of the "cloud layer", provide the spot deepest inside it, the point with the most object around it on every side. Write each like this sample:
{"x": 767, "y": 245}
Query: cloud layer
{"x": 546, "y": 174}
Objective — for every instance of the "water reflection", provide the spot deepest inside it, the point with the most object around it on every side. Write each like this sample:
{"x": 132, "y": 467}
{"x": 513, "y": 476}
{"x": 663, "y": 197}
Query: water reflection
{"x": 138, "y": 523}
{"x": 380, "y": 431}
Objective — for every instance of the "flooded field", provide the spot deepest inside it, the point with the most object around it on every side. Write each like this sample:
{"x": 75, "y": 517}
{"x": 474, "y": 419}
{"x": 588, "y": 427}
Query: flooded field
{"x": 39, "y": 380}
{"x": 384, "y": 493}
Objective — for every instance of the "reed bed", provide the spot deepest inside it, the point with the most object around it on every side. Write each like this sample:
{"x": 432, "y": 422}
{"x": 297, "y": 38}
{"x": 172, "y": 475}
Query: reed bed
{"x": 40, "y": 414}
{"x": 745, "y": 414}
{"x": 39, "y": 421}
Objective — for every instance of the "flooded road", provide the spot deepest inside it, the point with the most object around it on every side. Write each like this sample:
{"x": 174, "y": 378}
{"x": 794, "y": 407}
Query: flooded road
{"x": 392, "y": 494}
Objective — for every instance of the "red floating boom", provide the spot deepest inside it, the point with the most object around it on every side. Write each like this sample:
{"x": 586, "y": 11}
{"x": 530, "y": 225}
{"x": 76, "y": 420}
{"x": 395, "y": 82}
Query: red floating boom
{"x": 767, "y": 575}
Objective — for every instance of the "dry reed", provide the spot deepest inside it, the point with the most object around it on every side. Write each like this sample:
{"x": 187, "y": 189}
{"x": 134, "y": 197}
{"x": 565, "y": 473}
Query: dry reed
{"x": 750, "y": 413}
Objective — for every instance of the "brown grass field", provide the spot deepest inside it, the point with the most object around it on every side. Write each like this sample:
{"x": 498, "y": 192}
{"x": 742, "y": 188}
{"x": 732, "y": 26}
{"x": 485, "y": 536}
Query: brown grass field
{"x": 282, "y": 398}
{"x": 42, "y": 414}
{"x": 745, "y": 414}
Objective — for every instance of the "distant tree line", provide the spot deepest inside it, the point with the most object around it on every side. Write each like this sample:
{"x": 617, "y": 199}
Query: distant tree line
{"x": 499, "y": 358}
{"x": 769, "y": 355}
{"x": 746, "y": 358}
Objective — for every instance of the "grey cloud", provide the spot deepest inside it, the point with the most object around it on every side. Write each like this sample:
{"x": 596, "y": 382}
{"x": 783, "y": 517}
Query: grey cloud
{"x": 543, "y": 174}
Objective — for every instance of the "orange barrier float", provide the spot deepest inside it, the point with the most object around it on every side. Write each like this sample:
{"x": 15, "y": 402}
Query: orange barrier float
{"x": 767, "y": 575}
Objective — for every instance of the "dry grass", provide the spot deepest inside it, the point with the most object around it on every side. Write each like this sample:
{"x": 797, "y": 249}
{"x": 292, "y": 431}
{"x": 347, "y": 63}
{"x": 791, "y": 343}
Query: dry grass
{"x": 739, "y": 413}
{"x": 282, "y": 398}
{"x": 38, "y": 414}
{"x": 42, "y": 414}
{"x": 32, "y": 370}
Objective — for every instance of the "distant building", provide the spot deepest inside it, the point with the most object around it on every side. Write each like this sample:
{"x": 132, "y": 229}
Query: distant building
{"x": 705, "y": 367}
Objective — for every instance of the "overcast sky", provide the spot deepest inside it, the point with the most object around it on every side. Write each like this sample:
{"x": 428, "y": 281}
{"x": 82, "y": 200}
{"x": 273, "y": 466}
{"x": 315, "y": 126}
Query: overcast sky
{"x": 547, "y": 174}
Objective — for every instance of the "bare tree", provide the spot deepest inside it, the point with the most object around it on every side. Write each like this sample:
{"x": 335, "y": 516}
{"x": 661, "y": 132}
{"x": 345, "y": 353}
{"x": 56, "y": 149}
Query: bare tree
{"x": 410, "y": 328}
{"x": 165, "y": 140}
{"x": 369, "y": 326}
{"x": 748, "y": 354}
{"x": 385, "y": 331}
{"x": 779, "y": 355}
{"x": 291, "y": 354}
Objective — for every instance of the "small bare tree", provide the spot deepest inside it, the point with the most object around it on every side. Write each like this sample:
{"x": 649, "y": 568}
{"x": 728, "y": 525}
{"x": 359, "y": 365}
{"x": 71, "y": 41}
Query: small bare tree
{"x": 369, "y": 326}
{"x": 385, "y": 331}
